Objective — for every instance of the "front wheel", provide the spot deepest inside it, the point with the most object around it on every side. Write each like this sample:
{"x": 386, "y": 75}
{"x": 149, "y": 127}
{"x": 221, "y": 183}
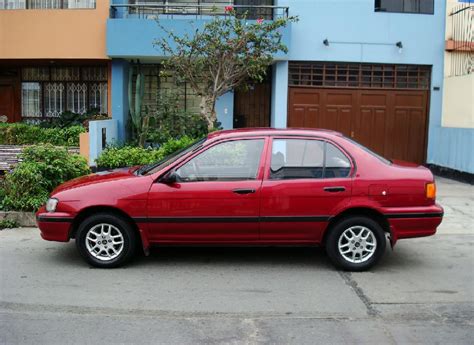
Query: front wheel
{"x": 356, "y": 243}
{"x": 106, "y": 240}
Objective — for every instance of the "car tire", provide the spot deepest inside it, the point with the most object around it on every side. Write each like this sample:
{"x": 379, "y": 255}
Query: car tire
{"x": 356, "y": 243}
{"x": 106, "y": 240}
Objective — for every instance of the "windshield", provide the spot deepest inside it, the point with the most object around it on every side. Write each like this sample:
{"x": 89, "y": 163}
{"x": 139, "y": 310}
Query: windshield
{"x": 386, "y": 161}
{"x": 154, "y": 167}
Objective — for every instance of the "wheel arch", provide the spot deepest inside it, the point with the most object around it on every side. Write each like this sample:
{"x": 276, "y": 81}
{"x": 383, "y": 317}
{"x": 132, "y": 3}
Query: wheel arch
{"x": 86, "y": 212}
{"x": 358, "y": 211}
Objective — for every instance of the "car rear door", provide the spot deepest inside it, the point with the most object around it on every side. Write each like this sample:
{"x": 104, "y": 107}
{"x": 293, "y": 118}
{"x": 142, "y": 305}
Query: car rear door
{"x": 215, "y": 198}
{"x": 306, "y": 181}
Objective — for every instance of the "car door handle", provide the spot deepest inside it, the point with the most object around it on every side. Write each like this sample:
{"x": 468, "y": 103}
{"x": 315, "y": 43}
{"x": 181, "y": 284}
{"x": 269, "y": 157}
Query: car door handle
{"x": 243, "y": 191}
{"x": 334, "y": 189}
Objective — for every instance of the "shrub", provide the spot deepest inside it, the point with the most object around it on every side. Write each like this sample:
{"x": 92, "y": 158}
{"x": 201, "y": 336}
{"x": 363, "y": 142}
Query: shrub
{"x": 170, "y": 120}
{"x": 22, "y": 133}
{"x": 43, "y": 168}
{"x": 116, "y": 157}
{"x": 8, "y": 224}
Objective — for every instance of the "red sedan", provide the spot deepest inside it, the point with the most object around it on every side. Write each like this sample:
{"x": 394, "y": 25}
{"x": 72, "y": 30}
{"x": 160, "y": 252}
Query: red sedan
{"x": 249, "y": 187}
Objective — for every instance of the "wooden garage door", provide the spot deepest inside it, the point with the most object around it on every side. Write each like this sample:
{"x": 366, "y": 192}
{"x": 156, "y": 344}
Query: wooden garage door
{"x": 391, "y": 122}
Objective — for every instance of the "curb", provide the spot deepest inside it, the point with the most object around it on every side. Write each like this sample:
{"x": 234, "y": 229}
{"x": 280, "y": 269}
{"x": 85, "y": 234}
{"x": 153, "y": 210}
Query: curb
{"x": 24, "y": 219}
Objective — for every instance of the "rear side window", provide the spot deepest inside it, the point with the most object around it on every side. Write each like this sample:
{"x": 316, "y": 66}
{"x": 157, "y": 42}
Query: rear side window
{"x": 304, "y": 158}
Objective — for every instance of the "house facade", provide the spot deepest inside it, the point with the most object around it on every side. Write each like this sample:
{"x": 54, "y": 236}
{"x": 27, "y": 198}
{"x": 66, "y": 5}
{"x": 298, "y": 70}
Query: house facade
{"x": 371, "y": 69}
{"x": 53, "y": 58}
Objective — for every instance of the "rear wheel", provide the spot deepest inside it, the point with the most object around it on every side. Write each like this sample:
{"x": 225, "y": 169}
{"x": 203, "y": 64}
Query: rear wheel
{"x": 356, "y": 243}
{"x": 106, "y": 240}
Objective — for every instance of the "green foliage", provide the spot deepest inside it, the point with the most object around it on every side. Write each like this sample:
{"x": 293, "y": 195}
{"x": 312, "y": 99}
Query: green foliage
{"x": 140, "y": 120}
{"x": 170, "y": 121}
{"x": 42, "y": 169}
{"x": 25, "y": 134}
{"x": 228, "y": 52}
{"x": 116, "y": 157}
{"x": 8, "y": 224}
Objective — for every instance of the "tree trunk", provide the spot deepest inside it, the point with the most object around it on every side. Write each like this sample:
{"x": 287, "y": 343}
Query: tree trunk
{"x": 208, "y": 110}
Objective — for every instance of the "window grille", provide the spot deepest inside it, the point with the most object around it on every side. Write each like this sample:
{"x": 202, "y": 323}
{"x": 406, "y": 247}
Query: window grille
{"x": 350, "y": 75}
{"x": 405, "y": 6}
{"x": 45, "y": 4}
{"x": 50, "y": 91}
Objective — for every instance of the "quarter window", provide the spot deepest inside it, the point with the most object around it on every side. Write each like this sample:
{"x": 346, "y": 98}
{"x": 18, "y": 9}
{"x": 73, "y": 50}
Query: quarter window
{"x": 228, "y": 161}
{"x": 300, "y": 158}
{"x": 405, "y": 6}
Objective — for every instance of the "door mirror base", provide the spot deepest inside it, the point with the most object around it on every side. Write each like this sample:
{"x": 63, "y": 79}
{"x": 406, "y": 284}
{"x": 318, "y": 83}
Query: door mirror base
{"x": 169, "y": 178}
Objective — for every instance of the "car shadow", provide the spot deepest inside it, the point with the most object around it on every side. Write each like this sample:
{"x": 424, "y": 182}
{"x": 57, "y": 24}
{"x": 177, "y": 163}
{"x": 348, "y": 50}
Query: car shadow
{"x": 195, "y": 256}
{"x": 231, "y": 255}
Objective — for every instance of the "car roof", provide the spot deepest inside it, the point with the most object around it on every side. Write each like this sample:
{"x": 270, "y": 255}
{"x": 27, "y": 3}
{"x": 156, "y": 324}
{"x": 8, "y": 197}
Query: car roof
{"x": 241, "y": 132}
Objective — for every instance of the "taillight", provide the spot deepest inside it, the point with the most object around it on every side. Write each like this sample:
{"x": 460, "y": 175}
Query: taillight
{"x": 431, "y": 190}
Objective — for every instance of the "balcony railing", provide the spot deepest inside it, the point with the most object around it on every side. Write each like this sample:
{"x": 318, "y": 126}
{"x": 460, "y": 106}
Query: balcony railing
{"x": 153, "y": 11}
{"x": 46, "y": 4}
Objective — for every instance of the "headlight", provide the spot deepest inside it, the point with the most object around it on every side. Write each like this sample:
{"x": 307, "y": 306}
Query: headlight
{"x": 51, "y": 204}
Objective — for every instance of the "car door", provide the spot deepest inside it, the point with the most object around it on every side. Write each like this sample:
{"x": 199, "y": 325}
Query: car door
{"x": 215, "y": 197}
{"x": 306, "y": 181}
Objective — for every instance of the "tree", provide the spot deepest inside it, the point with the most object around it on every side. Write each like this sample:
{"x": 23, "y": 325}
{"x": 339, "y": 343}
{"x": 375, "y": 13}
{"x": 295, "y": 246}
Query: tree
{"x": 226, "y": 53}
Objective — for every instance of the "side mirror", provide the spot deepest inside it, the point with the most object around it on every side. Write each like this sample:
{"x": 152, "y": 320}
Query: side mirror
{"x": 169, "y": 178}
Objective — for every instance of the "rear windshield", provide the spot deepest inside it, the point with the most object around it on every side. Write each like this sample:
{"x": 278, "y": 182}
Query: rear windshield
{"x": 386, "y": 161}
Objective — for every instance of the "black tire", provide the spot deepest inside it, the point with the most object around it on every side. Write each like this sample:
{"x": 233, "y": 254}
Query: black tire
{"x": 336, "y": 232}
{"x": 121, "y": 225}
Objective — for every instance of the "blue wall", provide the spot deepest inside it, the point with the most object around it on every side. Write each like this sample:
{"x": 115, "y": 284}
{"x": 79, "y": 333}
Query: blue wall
{"x": 120, "y": 110}
{"x": 369, "y": 36}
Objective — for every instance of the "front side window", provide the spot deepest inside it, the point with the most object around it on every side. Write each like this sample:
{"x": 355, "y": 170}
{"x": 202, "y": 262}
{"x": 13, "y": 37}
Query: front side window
{"x": 405, "y": 6}
{"x": 229, "y": 161}
{"x": 305, "y": 158}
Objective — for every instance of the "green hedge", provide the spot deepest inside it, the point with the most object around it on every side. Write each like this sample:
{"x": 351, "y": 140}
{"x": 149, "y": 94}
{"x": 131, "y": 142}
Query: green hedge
{"x": 43, "y": 168}
{"x": 116, "y": 157}
{"x": 25, "y": 134}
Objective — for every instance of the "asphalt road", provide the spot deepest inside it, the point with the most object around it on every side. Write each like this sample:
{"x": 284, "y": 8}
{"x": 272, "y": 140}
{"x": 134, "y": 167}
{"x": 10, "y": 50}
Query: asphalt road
{"x": 422, "y": 292}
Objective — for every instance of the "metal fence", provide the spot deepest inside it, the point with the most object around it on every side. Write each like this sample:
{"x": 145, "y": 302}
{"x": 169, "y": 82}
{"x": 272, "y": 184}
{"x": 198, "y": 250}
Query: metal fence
{"x": 198, "y": 10}
{"x": 461, "y": 42}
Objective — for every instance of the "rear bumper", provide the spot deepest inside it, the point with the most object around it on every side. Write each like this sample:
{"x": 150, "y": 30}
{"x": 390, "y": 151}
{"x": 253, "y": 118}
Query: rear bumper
{"x": 414, "y": 224}
{"x": 54, "y": 226}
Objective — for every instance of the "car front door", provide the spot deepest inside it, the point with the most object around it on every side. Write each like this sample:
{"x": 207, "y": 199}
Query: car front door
{"x": 306, "y": 181}
{"x": 215, "y": 197}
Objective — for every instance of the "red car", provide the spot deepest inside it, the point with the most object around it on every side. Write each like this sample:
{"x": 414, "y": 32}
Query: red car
{"x": 249, "y": 187}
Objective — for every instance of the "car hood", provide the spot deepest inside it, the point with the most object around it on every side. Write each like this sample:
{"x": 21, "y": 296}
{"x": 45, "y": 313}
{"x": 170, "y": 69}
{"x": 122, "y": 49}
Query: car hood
{"x": 100, "y": 177}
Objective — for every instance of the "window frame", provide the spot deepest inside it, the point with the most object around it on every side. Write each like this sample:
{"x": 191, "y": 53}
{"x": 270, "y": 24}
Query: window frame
{"x": 204, "y": 148}
{"x": 379, "y": 10}
{"x": 349, "y": 157}
{"x": 81, "y": 80}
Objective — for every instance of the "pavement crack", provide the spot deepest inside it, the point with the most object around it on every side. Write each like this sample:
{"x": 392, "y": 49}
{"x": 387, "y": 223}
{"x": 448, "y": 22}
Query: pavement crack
{"x": 347, "y": 277}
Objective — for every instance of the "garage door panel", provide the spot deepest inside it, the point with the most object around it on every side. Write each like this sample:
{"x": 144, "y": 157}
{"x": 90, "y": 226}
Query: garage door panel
{"x": 390, "y": 122}
{"x": 297, "y": 118}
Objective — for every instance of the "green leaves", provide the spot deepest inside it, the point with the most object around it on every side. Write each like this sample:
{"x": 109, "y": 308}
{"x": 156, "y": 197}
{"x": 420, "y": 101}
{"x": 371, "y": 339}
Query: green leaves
{"x": 228, "y": 52}
{"x": 43, "y": 168}
{"x": 25, "y": 134}
{"x": 116, "y": 157}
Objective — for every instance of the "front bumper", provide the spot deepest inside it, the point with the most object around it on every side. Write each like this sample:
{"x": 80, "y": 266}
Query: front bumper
{"x": 54, "y": 226}
{"x": 415, "y": 224}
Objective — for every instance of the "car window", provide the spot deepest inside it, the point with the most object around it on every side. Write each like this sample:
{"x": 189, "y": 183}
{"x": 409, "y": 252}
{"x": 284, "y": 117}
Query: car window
{"x": 228, "y": 161}
{"x": 304, "y": 158}
{"x": 337, "y": 164}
